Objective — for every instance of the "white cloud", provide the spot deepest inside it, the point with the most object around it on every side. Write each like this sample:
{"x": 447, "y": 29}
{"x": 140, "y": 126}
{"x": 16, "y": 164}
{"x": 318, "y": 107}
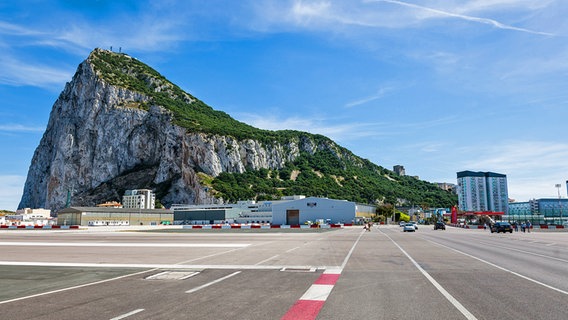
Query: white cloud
{"x": 20, "y": 128}
{"x": 19, "y": 73}
{"x": 334, "y": 16}
{"x": 340, "y": 133}
{"x": 502, "y": 5}
{"x": 532, "y": 167}
{"x": 14, "y": 29}
{"x": 11, "y": 189}
{"x": 380, "y": 93}
{"x": 78, "y": 37}
{"x": 425, "y": 13}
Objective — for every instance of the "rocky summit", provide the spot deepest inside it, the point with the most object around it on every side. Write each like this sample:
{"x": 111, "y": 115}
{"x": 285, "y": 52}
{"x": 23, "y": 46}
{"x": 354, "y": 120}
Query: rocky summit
{"x": 120, "y": 125}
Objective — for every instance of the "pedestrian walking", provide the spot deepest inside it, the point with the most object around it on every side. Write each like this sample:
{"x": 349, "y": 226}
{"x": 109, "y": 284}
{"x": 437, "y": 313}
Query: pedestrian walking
{"x": 529, "y": 226}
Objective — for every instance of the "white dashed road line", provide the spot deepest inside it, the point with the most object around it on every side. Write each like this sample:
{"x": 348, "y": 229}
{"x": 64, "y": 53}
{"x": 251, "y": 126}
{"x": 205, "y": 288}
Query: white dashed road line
{"x": 125, "y": 244}
{"x": 441, "y": 289}
{"x": 212, "y": 282}
{"x": 501, "y": 268}
{"x": 128, "y": 314}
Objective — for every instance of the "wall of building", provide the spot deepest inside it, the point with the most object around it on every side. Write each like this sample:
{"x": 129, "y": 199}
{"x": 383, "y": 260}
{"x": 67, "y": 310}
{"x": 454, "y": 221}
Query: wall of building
{"x": 482, "y": 191}
{"x": 312, "y": 209}
{"x": 94, "y": 216}
{"x": 203, "y": 216}
{"x": 365, "y": 211}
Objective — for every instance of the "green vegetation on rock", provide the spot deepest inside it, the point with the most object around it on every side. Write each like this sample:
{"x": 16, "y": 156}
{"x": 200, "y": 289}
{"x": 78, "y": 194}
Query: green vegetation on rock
{"x": 325, "y": 175}
{"x": 189, "y": 112}
{"x": 335, "y": 173}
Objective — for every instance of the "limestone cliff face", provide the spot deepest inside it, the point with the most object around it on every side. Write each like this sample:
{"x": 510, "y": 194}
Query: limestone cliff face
{"x": 102, "y": 139}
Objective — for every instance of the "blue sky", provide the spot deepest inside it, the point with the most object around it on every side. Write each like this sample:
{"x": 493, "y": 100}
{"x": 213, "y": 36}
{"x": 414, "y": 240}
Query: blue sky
{"x": 438, "y": 86}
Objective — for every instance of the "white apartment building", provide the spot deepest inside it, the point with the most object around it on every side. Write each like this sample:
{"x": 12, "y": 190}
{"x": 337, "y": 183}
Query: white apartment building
{"x": 139, "y": 198}
{"x": 482, "y": 191}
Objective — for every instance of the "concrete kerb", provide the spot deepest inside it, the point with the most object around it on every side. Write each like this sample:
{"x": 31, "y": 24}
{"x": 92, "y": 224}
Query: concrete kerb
{"x": 535, "y": 228}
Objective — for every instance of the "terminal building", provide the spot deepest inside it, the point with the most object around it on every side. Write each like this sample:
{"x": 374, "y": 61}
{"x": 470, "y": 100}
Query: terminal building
{"x": 292, "y": 210}
{"x": 539, "y": 211}
{"x": 100, "y": 216}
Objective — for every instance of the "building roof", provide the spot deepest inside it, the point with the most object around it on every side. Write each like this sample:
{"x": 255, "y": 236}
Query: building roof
{"x": 113, "y": 210}
{"x": 463, "y": 174}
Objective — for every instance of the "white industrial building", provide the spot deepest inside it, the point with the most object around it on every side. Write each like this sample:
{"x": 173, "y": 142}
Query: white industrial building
{"x": 246, "y": 212}
{"x": 313, "y": 209}
{"x": 289, "y": 210}
{"x": 97, "y": 216}
{"x": 29, "y": 217}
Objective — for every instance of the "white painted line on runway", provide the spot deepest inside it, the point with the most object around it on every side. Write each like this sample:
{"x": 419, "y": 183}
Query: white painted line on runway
{"x": 351, "y": 251}
{"x": 209, "y": 256}
{"x": 71, "y": 288}
{"x": 317, "y": 292}
{"x": 310, "y": 304}
{"x": 125, "y": 244}
{"x": 127, "y": 314}
{"x": 172, "y": 275}
{"x": 550, "y": 244}
{"x": 157, "y": 275}
{"x": 525, "y": 252}
{"x": 266, "y": 260}
{"x": 290, "y": 250}
{"x": 212, "y": 282}
{"x": 156, "y": 266}
{"x": 443, "y": 291}
{"x": 501, "y": 268}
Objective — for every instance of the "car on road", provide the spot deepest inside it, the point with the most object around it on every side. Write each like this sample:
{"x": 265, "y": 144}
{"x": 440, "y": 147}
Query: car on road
{"x": 501, "y": 226}
{"x": 415, "y": 224}
{"x": 439, "y": 226}
{"x": 402, "y": 223}
{"x": 409, "y": 227}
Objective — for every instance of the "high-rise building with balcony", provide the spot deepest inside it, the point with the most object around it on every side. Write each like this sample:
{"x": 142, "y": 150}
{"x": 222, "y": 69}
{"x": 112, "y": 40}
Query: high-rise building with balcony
{"x": 140, "y": 198}
{"x": 482, "y": 191}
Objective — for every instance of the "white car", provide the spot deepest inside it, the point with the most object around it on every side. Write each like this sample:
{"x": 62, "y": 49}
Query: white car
{"x": 409, "y": 227}
{"x": 415, "y": 225}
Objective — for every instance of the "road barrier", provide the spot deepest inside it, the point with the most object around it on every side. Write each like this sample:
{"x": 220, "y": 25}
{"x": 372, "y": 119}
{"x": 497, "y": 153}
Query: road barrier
{"x": 256, "y": 226}
{"x": 33, "y": 227}
{"x": 535, "y": 227}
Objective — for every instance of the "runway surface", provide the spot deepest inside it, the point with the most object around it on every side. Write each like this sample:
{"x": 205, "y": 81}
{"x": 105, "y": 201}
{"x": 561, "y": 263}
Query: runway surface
{"x": 234, "y": 274}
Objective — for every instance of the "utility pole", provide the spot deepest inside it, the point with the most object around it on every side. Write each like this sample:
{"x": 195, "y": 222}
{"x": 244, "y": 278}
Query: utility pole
{"x": 558, "y": 186}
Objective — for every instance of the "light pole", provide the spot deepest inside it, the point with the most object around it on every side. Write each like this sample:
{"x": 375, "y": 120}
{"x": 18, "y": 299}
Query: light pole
{"x": 139, "y": 208}
{"x": 558, "y": 186}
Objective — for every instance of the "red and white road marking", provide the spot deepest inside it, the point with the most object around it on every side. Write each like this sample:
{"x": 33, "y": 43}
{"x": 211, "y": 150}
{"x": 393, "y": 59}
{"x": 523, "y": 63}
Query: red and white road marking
{"x": 310, "y": 304}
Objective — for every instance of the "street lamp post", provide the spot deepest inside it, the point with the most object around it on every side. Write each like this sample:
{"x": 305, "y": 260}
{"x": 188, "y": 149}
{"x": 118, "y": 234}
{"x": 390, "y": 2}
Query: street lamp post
{"x": 558, "y": 186}
{"x": 139, "y": 208}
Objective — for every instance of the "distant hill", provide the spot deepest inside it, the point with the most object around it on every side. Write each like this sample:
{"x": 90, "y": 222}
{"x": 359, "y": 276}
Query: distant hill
{"x": 121, "y": 125}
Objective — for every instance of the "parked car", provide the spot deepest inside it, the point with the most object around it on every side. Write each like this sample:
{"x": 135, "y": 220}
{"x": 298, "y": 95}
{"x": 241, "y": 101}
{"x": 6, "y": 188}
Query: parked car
{"x": 402, "y": 223}
{"x": 415, "y": 224}
{"x": 439, "y": 225}
{"x": 408, "y": 227}
{"x": 501, "y": 226}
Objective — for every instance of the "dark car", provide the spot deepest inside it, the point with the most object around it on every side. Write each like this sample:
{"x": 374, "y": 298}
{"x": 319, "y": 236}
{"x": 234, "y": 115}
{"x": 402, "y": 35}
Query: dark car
{"x": 501, "y": 227}
{"x": 439, "y": 225}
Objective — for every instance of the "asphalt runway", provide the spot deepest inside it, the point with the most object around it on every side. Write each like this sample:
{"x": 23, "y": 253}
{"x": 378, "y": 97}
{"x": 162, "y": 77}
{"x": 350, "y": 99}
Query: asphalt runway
{"x": 338, "y": 274}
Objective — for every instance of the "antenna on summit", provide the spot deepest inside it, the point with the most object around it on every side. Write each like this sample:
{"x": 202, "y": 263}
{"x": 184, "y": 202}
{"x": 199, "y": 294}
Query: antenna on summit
{"x": 110, "y": 48}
